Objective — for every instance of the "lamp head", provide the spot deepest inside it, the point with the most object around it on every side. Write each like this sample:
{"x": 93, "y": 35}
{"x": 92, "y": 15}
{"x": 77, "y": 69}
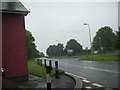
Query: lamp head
{"x": 85, "y": 24}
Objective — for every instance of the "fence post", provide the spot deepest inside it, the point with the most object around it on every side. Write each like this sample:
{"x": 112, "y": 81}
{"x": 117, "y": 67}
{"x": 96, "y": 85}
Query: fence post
{"x": 48, "y": 78}
{"x": 45, "y": 63}
{"x": 50, "y": 64}
{"x": 40, "y": 62}
{"x": 56, "y": 69}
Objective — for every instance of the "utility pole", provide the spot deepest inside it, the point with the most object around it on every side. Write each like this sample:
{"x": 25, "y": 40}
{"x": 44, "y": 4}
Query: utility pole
{"x": 58, "y": 48}
{"x": 89, "y": 36}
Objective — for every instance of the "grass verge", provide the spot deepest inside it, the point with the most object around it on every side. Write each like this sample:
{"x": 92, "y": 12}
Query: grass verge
{"x": 20, "y": 88}
{"x": 102, "y": 58}
{"x": 89, "y": 57}
{"x": 37, "y": 70}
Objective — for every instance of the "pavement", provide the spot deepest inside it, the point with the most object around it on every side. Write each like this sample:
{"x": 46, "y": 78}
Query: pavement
{"x": 65, "y": 81}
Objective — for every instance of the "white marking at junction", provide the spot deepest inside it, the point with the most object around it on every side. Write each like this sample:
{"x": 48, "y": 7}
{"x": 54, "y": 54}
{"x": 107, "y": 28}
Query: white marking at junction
{"x": 98, "y": 85}
{"x": 107, "y": 70}
{"x": 86, "y": 81}
{"x": 75, "y": 75}
{"x": 88, "y": 87}
{"x": 81, "y": 77}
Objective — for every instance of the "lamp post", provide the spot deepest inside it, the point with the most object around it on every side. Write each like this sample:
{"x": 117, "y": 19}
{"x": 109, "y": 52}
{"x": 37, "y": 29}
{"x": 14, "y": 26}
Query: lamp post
{"x": 100, "y": 43}
{"x": 101, "y": 48}
{"x": 58, "y": 48}
{"x": 89, "y": 35}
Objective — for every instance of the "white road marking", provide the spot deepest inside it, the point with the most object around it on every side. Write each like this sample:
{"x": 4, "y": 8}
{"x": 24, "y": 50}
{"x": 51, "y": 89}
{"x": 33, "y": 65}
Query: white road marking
{"x": 75, "y": 75}
{"x": 107, "y": 70}
{"x": 99, "y": 69}
{"x": 86, "y": 81}
{"x": 81, "y": 77}
{"x": 98, "y": 85}
{"x": 88, "y": 87}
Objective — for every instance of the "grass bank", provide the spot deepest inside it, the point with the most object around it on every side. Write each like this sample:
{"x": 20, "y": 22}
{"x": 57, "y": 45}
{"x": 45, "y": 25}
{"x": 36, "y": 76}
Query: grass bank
{"x": 102, "y": 57}
{"x": 19, "y": 88}
{"x": 89, "y": 57}
{"x": 37, "y": 70}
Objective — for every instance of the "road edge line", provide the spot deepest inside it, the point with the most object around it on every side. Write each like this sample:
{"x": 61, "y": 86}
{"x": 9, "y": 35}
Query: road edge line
{"x": 77, "y": 80}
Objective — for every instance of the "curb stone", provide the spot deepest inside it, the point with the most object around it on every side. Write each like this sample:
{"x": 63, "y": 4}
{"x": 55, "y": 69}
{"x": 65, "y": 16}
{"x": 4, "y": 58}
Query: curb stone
{"x": 77, "y": 80}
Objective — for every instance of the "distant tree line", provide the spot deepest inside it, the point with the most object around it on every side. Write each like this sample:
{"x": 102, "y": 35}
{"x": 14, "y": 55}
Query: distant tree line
{"x": 105, "y": 40}
{"x": 118, "y": 39}
{"x": 60, "y": 50}
{"x": 32, "y": 52}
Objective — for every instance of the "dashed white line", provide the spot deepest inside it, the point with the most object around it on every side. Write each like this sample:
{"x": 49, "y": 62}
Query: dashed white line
{"x": 75, "y": 75}
{"x": 86, "y": 81}
{"x": 81, "y": 77}
{"x": 98, "y": 85}
{"x": 88, "y": 87}
{"x": 98, "y": 69}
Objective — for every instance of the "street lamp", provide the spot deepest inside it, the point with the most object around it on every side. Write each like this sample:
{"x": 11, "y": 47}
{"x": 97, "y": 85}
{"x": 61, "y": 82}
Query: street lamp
{"x": 58, "y": 48}
{"x": 101, "y": 48}
{"x": 89, "y": 35}
{"x": 100, "y": 43}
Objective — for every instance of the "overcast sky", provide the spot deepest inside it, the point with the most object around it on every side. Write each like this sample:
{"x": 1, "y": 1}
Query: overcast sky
{"x": 63, "y": 21}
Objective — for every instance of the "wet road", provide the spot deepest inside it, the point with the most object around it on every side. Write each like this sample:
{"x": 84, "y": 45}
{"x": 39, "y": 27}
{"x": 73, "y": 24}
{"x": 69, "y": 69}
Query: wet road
{"x": 102, "y": 72}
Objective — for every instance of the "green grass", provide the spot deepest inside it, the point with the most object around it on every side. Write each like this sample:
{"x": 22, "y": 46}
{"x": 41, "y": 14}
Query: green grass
{"x": 89, "y": 57}
{"x": 37, "y": 70}
{"x": 21, "y": 88}
{"x": 103, "y": 58}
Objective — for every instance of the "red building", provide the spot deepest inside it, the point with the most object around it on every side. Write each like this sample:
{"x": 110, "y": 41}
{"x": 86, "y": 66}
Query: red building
{"x": 14, "y": 56}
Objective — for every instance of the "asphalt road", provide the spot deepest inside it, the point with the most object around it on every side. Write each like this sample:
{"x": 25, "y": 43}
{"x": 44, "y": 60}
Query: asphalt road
{"x": 102, "y": 72}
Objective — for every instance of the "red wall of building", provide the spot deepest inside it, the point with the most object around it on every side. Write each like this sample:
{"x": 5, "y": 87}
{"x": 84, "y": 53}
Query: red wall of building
{"x": 14, "y": 59}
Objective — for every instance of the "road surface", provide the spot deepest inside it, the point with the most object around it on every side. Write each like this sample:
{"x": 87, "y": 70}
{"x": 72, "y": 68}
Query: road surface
{"x": 103, "y": 72}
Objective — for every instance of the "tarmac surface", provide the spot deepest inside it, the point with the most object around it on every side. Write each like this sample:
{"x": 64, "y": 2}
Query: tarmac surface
{"x": 104, "y": 73}
{"x": 63, "y": 82}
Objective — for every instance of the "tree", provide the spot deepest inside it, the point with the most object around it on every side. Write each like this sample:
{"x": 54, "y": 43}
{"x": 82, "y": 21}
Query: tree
{"x": 118, "y": 39}
{"x": 117, "y": 43}
{"x": 32, "y": 52}
{"x": 55, "y": 50}
{"x": 41, "y": 54}
{"x": 73, "y": 45}
{"x": 60, "y": 49}
{"x": 52, "y": 50}
{"x": 104, "y": 39}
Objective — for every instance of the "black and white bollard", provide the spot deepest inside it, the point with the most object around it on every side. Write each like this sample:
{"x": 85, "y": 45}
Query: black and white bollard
{"x": 45, "y": 63}
{"x": 56, "y": 70}
{"x": 50, "y": 64}
{"x": 48, "y": 78}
